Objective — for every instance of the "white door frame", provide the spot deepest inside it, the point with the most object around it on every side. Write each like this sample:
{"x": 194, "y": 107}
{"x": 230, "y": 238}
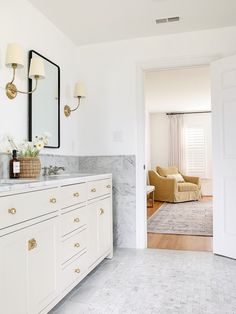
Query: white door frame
{"x": 141, "y": 68}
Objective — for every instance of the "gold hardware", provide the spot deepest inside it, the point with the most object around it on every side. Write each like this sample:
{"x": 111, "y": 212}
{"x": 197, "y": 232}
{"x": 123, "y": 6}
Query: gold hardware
{"x": 101, "y": 211}
{"x": 68, "y": 110}
{"x": 32, "y": 244}
{"x": 108, "y": 186}
{"x": 77, "y": 219}
{"x": 77, "y": 245}
{"x": 53, "y": 200}
{"x": 12, "y": 211}
{"x": 79, "y": 93}
{"x": 77, "y": 270}
{"x": 93, "y": 190}
{"x": 76, "y": 194}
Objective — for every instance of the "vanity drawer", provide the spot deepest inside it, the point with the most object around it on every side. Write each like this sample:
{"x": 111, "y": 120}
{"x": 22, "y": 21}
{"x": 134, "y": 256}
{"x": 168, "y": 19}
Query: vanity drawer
{"x": 74, "y": 271}
{"x": 99, "y": 188}
{"x": 73, "y": 194}
{"x": 18, "y": 208}
{"x": 73, "y": 220}
{"x": 74, "y": 245}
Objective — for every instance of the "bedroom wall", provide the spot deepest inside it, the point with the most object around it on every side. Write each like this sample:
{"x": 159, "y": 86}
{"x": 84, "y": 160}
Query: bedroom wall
{"x": 159, "y": 139}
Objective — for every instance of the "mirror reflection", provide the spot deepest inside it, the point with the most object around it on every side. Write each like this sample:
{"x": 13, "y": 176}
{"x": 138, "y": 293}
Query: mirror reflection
{"x": 44, "y": 104}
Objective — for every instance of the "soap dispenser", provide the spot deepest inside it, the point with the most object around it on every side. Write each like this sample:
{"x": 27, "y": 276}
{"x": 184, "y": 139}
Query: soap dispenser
{"x": 14, "y": 166}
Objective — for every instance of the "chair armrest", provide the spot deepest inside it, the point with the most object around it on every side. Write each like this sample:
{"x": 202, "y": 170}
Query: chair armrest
{"x": 163, "y": 184}
{"x": 195, "y": 180}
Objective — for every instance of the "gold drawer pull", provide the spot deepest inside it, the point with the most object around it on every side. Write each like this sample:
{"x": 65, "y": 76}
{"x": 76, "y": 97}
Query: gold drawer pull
{"x": 108, "y": 186}
{"x": 53, "y": 200}
{"x": 77, "y": 270}
{"x": 32, "y": 244}
{"x": 93, "y": 190}
{"x": 101, "y": 211}
{"x": 77, "y": 219}
{"x": 12, "y": 211}
{"x": 76, "y": 194}
{"x": 77, "y": 245}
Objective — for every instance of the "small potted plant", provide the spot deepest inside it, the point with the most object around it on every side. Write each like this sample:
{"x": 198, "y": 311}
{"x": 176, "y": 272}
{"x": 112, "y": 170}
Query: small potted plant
{"x": 28, "y": 155}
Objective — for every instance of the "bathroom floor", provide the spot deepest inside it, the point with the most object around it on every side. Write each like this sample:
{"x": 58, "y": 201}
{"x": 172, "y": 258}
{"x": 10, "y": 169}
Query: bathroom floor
{"x": 158, "y": 282}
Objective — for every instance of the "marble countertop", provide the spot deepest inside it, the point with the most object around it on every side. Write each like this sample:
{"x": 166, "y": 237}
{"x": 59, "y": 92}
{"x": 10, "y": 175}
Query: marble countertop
{"x": 15, "y": 185}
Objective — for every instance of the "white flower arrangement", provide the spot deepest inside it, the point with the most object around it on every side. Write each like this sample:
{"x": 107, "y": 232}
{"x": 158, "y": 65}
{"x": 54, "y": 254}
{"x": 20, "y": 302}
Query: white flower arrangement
{"x": 26, "y": 148}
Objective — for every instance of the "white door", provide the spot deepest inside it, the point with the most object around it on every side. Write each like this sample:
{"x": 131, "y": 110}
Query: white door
{"x": 224, "y": 155}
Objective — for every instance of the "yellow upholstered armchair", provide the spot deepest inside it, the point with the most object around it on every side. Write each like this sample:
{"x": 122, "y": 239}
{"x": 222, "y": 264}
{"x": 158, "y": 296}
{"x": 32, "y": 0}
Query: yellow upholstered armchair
{"x": 171, "y": 187}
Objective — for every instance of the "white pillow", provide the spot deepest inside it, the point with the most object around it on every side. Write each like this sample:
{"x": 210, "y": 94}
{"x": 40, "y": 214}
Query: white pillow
{"x": 177, "y": 177}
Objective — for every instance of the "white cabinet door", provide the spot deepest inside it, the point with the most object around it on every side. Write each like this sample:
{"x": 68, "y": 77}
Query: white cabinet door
{"x": 104, "y": 226}
{"x": 224, "y": 152}
{"x": 99, "y": 229}
{"x": 28, "y": 269}
{"x": 13, "y": 274}
{"x": 42, "y": 264}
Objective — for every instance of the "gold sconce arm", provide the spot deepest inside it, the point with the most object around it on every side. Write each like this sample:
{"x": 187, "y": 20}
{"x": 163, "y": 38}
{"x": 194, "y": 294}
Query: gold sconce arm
{"x": 12, "y": 91}
{"x": 68, "y": 110}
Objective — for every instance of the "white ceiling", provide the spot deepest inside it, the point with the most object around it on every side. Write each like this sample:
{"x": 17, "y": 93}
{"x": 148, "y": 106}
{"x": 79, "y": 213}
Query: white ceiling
{"x": 184, "y": 89}
{"x": 93, "y": 21}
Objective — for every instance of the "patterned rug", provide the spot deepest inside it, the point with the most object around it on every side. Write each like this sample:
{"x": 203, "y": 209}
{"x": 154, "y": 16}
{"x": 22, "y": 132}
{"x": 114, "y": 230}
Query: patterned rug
{"x": 191, "y": 218}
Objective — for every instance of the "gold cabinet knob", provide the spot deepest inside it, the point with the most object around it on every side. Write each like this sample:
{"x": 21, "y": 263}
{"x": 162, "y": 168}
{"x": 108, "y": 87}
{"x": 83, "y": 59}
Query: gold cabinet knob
{"x": 77, "y": 245}
{"x": 53, "y": 200}
{"x": 93, "y": 190}
{"x": 32, "y": 244}
{"x": 101, "y": 211}
{"x": 108, "y": 186}
{"x": 12, "y": 211}
{"x": 76, "y": 194}
{"x": 77, "y": 219}
{"x": 77, "y": 270}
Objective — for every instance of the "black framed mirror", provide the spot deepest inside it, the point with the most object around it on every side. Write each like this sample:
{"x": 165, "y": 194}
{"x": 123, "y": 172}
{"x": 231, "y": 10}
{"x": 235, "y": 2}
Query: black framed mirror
{"x": 44, "y": 103}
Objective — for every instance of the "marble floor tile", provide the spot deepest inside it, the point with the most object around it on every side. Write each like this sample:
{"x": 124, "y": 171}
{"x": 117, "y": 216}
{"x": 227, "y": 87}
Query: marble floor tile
{"x": 156, "y": 282}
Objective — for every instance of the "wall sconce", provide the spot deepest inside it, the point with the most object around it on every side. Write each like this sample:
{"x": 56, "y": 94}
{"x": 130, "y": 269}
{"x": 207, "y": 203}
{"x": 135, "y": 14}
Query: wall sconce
{"x": 14, "y": 60}
{"x": 79, "y": 92}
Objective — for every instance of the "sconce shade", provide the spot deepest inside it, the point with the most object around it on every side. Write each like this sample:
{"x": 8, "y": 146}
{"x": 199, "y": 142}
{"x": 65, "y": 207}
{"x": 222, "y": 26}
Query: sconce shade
{"x": 79, "y": 90}
{"x": 14, "y": 55}
{"x": 36, "y": 68}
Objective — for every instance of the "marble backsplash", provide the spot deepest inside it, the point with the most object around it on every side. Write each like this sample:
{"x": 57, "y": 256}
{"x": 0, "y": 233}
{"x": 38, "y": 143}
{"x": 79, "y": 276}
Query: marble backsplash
{"x": 123, "y": 169}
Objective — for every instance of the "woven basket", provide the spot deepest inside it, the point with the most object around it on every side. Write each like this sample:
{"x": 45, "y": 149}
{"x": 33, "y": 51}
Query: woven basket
{"x": 30, "y": 167}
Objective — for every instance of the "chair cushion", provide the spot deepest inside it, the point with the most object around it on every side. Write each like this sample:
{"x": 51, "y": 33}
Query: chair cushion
{"x": 187, "y": 186}
{"x": 177, "y": 177}
{"x": 164, "y": 171}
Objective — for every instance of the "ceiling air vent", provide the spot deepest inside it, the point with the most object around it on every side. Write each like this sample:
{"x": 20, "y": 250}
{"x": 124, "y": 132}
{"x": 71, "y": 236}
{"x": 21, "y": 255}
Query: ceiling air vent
{"x": 168, "y": 20}
{"x": 160, "y": 21}
{"x": 174, "y": 19}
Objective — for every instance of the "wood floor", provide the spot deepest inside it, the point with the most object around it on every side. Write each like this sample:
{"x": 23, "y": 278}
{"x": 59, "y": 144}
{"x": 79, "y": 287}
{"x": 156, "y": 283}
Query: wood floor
{"x": 174, "y": 241}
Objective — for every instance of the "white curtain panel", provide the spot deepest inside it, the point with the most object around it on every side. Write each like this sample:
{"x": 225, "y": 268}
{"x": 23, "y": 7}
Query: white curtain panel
{"x": 176, "y": 140}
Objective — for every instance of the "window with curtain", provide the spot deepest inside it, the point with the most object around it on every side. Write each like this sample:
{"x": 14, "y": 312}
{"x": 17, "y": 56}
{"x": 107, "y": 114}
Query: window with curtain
{"x": 196, "y": 151}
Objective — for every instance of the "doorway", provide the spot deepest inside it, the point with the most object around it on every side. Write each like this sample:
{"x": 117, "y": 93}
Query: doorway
{"x": 178, "y": 133}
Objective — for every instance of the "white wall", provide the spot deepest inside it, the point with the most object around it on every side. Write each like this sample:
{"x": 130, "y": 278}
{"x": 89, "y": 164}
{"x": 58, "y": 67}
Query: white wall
{"x": 23, "y": 23}
{"x": 159, "y": 140}
{"x": 183, "y": 89}
{"x": 110, "y": 73}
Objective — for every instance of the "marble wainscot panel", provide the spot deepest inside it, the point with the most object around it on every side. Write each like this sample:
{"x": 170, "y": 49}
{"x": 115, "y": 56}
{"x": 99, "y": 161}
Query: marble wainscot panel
{"x": 4, "y": 165}
{"x": 71, "y": 163}
{"x": 124, "y": 193}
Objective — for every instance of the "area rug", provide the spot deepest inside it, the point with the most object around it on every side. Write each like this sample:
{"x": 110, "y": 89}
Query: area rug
{"x": 190, "y": 218}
